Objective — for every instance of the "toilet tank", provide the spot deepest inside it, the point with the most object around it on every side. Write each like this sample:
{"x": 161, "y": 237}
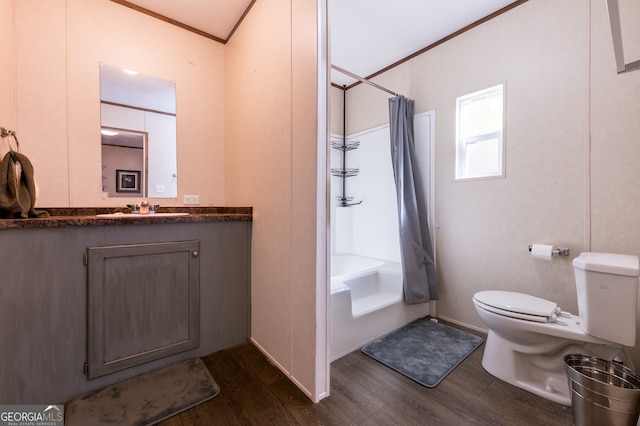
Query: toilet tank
{"x": 607, "y": 286}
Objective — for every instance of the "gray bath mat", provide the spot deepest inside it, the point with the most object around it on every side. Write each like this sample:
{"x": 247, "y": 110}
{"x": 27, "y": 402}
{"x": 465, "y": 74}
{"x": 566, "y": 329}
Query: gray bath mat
{"x": 423, "y": 350}
{"x": 146, "y": 399}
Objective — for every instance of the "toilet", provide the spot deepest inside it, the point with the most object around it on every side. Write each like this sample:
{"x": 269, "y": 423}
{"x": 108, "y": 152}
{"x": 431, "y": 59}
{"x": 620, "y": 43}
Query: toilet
{"x": 529, "y": 336}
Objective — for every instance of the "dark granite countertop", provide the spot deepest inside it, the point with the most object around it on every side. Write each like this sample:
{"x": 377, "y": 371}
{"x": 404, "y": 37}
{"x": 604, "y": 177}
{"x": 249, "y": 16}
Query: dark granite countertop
{"x": 86, "y": 216}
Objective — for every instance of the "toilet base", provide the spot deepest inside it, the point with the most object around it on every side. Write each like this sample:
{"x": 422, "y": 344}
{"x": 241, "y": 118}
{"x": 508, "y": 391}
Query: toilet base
{"x": 539, "y": 368}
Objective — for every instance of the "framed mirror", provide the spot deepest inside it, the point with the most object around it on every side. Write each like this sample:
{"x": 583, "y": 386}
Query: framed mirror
{"x": 138, "y": 134}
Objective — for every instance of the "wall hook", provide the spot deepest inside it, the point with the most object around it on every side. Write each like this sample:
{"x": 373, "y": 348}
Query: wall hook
{"x": 4, "y": 132}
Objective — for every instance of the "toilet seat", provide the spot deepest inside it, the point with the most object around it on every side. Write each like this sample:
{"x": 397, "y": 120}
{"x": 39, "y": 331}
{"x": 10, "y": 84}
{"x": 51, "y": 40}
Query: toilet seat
{"x": 517, "y": 305}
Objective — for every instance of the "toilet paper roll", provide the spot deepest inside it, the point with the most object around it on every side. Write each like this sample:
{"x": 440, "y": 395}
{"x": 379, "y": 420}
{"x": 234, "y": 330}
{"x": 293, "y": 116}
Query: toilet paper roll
{"x": 542, "y": 251}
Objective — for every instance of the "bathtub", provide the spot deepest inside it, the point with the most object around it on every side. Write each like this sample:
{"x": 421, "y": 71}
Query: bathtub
{"x": 366, "y": 302}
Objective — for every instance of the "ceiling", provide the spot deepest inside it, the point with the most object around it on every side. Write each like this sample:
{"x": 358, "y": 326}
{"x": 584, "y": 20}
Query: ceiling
{"x": 366, "y": 36}
{"x": 214, "y": 18}
{"x": 369, "y": 35}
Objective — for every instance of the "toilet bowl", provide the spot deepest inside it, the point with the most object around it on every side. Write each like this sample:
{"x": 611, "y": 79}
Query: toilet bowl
{"x": 528, "y": 336}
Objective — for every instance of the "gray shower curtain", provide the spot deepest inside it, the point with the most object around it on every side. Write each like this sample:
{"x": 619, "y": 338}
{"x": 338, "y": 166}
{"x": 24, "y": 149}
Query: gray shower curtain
{"x": 416, "y": 250}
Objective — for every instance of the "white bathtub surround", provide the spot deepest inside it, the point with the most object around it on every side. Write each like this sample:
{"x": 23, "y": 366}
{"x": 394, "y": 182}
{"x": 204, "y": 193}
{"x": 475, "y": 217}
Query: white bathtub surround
{"x": 351, "y": 264}
{"x": 366, "y": 292}
{"x": 366, "y": 302}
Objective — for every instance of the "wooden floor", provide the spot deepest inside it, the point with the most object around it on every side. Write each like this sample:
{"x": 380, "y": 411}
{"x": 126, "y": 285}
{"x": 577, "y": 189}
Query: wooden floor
{"x": 364, "y": 392}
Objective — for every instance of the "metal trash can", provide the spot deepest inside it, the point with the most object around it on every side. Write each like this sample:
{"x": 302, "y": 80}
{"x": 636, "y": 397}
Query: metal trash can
{"x": 602, "y": 392}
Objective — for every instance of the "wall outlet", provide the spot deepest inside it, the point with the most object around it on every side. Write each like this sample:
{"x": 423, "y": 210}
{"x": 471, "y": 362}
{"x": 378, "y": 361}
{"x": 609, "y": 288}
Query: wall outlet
{"x": 191, "y": 199}
{"x": 159, "y": 189}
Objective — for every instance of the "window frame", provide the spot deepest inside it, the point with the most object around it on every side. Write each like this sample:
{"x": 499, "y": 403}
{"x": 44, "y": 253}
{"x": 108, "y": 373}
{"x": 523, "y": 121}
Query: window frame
{"x": 463, "y": 143}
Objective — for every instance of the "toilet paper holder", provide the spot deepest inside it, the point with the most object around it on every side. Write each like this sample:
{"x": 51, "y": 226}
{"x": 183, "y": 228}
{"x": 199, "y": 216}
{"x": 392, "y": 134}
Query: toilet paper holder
{"x": 560, "y": 251}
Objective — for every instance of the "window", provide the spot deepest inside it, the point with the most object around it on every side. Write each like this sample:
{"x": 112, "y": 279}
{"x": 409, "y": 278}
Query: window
{"x": 479, "y": 134}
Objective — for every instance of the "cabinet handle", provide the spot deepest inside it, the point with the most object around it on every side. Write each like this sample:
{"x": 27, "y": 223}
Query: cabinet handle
{"x": 195, "y": 254}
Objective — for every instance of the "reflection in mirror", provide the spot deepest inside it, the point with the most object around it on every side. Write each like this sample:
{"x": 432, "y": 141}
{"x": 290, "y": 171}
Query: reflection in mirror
{"x": 123, "y": 150}
{"x": 138, "y": 134}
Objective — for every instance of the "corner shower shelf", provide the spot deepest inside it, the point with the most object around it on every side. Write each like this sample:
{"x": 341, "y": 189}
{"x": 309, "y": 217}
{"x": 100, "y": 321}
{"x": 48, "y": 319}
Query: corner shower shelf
{"x": 344, "y": 145}
{"x": 345, "y": 172}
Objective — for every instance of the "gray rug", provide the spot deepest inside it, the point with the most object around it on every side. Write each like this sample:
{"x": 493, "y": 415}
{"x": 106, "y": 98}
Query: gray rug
{"x": 423, "y": 350}
{"x": 146, "y": 399}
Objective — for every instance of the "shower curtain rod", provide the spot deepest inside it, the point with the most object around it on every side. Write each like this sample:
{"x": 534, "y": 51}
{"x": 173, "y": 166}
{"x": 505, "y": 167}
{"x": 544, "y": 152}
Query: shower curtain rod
{"x": 363, "y": 80}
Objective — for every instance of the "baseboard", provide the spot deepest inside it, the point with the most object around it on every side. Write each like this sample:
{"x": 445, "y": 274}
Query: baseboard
{"x": 284, "y": 370}
{"x": 462, "y": 324}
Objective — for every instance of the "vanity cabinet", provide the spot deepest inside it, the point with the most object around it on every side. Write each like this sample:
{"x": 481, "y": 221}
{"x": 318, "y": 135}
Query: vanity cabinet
{"x": 143, "y": 303}
{"x": 49, "y": 279}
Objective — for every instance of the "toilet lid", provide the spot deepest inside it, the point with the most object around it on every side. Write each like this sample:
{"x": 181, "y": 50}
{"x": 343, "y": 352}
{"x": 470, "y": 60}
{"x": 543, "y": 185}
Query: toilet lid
{"x": 517, "y": 305}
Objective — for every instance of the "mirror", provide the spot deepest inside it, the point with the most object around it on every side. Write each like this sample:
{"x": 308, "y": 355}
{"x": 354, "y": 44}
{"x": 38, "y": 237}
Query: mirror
{"x": 623, "y": 28}
{"x": 138, "y": 134}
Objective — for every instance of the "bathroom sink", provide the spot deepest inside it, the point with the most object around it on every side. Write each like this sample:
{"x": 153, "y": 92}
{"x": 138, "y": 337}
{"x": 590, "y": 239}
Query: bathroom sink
{"x": 138, "y": 215}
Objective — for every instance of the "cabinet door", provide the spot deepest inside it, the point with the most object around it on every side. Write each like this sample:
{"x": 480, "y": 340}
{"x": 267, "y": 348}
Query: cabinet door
{"x": 144, "y": 303}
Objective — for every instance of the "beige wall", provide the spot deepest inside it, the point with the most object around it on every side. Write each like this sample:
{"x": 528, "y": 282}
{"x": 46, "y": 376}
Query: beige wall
{"x": 335, "y": 110}
{"x": 571, "y": 150}
{"x": 271, "y": 160}
{"x": 7, "y": 71}
{"x": 59, "y": 45}
{"x": 41, "y": 97}
{"x": 615, "y": 147}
